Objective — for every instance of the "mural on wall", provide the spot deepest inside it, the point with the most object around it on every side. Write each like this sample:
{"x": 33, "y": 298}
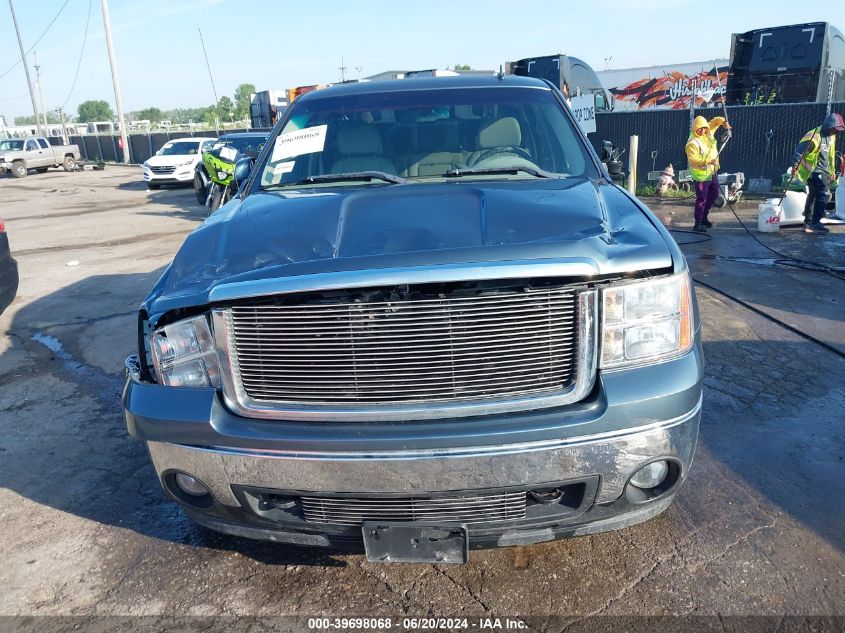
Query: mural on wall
{"x": 673, "y": 90}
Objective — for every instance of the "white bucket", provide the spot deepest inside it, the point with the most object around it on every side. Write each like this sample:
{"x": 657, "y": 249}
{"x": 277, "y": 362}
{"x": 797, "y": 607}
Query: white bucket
{"x": 768, "y": 216}
{"x": 792, "y": 213}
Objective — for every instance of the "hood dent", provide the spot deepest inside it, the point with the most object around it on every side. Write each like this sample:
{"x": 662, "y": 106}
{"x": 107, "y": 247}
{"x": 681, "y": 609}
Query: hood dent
{"x": 268, "y": 236}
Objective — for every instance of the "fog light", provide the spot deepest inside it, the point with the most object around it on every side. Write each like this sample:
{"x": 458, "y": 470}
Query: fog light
{"x": 190, "y": 486}
{"x": 650, "y": 475}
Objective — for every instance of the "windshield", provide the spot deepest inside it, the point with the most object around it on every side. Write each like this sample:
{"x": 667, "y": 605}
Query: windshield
{"x": 428, "y": 134}
{"x": 247, "y": 145}
{"x": 180, "y": 148}
{"x": 11, "y": 144}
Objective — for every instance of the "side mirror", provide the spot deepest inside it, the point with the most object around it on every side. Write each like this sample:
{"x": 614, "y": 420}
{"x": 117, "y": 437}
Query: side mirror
{"x": 242, "y": 169}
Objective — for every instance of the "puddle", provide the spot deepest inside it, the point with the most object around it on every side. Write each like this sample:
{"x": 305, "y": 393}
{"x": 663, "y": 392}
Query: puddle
{"x": 100, "y": 382}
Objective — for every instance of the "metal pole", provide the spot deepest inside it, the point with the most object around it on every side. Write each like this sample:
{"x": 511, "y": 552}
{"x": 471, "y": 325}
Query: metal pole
{"x": 64, "y": 125}
{"x": 632, "y": 164}
{"x": 118, "y": 101}
{"x": 692, "y": 104}
{"x": 40, "y": 92}
{"x": 26, "y": 70}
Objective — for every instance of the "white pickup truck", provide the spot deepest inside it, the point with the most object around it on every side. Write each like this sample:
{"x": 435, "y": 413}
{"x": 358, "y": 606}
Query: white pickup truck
{"x": 20, "y": 155}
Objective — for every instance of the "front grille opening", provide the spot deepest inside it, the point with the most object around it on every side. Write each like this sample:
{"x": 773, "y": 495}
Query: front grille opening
{"x": 484, "y": 508}
{"x": 395, "y": 345}
{"x": 471, "y": 507}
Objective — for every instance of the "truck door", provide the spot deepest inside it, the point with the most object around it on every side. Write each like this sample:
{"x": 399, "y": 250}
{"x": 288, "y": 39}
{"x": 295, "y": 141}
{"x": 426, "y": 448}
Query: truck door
{"x": 33, "y": 154}
{"x": 49, "y": 156}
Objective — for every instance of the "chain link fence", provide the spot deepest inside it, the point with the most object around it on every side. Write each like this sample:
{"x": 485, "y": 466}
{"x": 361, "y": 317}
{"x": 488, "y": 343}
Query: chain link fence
{"x": 764, "y": 136}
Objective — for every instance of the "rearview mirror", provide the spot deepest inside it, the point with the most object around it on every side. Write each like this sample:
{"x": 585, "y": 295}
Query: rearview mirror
{"x": 242, "y": 169}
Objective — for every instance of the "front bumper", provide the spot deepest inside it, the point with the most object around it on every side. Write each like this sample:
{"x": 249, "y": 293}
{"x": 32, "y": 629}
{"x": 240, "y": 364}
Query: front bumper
{"x": 181, "y": 175}
{"x": 631, "y": 418}
{"x": 4, "y": 167}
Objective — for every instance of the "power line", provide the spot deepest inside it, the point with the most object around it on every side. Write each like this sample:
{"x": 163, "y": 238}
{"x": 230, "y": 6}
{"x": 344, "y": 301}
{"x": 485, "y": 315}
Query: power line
{"x": 79, "y": 63}
{"x": 53, "y": 21}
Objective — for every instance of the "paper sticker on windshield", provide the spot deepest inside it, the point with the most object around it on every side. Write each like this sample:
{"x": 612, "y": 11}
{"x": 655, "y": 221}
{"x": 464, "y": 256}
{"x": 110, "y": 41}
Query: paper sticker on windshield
{"x": 292, "y": 144}
{"x": 283, "y": 168}
{"x": 228, "y": 153}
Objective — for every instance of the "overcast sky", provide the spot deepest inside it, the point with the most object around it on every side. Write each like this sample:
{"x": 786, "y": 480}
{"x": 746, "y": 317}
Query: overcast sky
{"x": 282, "y": 44}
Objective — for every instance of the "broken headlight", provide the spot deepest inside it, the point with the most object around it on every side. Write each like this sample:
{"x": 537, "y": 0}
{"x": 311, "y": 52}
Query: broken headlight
{"x": 184, "y": 354}
{"x": 646, "y": 321}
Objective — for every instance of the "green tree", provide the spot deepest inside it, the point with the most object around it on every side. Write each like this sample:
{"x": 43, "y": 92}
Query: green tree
{"x": 242, "y": 100}
{"x": 211, "y": 114}
{"x": 96, "y": 110}
{"x": 462, "y": 67}
{"x": 52, "y": 118}
{"x": 149, "y": 114}
{"x": 186, "y": 115}
{"x": 225, "y": 109}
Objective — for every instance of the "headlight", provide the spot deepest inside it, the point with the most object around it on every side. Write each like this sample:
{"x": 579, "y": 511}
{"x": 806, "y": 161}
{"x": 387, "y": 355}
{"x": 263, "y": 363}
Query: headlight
{"x": 646, "y": 321}
{"x": 146, "y": 165}
{"x": 184, "y": 354}
{"x": 187, "y": 162}
{"x": 223, "y": 175}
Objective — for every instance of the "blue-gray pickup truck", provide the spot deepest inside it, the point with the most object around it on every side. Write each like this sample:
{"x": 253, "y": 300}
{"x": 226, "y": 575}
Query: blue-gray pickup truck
{"x": 428, "y": 323}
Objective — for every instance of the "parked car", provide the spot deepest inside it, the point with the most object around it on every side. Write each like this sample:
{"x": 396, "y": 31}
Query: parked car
{"x": 8, "y": 271}
{"x": 18, "y": 156}
{"x": 244, "y": 144}
{"x": 428, "y": 322}
{"x": 175, "y": 162}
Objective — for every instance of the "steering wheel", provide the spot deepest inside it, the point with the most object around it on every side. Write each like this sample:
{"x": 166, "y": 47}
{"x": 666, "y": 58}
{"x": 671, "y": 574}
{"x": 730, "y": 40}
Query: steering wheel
{"x": 496, "y": 151}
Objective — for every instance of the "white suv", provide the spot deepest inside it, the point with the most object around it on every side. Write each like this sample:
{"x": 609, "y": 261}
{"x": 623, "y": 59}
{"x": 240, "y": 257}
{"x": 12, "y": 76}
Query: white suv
{"x": 175, "y": 162}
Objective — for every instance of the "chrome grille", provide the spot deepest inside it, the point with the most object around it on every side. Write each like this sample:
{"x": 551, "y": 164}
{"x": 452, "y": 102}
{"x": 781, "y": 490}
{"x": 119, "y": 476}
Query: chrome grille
{"x": 440, "y": 349}
{"x": 157, "y": 169}
{"x": 475, "y": 509}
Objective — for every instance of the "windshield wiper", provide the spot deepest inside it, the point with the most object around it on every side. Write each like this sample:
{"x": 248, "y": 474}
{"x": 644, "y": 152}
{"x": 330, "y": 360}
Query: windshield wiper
{"x": 352, "y": 175}
{"x": 469, "y": 171}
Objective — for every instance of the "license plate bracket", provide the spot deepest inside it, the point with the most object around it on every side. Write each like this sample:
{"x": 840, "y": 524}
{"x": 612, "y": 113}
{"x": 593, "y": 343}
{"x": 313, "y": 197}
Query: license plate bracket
{"x": 416, "y": 542}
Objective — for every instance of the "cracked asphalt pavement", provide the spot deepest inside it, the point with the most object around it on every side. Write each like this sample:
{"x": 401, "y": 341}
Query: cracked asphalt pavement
{"x": 756, "y": 530}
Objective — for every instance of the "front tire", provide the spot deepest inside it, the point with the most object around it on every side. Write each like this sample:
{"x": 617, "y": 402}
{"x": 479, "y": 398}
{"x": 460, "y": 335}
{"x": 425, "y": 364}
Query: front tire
{"x": 69, "y": 163}
{"x": 200, "y": 189}
{"x": 216, "y": 198}
{"x": 19, "y": 169}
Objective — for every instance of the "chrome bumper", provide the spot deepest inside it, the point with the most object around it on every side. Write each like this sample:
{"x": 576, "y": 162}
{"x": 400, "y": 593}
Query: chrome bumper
{"x": 613, "y": 456}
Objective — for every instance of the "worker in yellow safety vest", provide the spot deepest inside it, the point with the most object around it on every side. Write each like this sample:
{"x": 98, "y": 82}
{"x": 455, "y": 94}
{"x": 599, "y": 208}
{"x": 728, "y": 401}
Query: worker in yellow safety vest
{"x": 814, "y": 163}
{"x": 703, "y": 159}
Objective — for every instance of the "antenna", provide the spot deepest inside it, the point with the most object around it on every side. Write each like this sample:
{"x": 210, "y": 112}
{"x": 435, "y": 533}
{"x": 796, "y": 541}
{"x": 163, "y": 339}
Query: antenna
{"x": 342, "y": 70}
{"x": 207, "y": 65}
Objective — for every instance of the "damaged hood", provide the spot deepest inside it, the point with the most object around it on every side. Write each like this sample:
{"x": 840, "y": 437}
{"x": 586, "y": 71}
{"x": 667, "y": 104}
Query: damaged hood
{"x": 340, "y": 229}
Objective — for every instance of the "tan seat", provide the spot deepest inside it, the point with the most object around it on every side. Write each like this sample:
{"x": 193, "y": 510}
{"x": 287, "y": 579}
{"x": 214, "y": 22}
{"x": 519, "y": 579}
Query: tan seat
{"x": 440, "y": 149}
{"x": 362, "y": 150}
{"x": 502, "y": 133}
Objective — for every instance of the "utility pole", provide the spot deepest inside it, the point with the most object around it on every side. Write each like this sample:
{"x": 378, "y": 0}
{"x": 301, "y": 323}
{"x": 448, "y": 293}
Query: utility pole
{"x": 26, "y": 70}
{"x": 118, "y": 101}
{"x": 61, "y": 114}
{"x": 40, "y": 91}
